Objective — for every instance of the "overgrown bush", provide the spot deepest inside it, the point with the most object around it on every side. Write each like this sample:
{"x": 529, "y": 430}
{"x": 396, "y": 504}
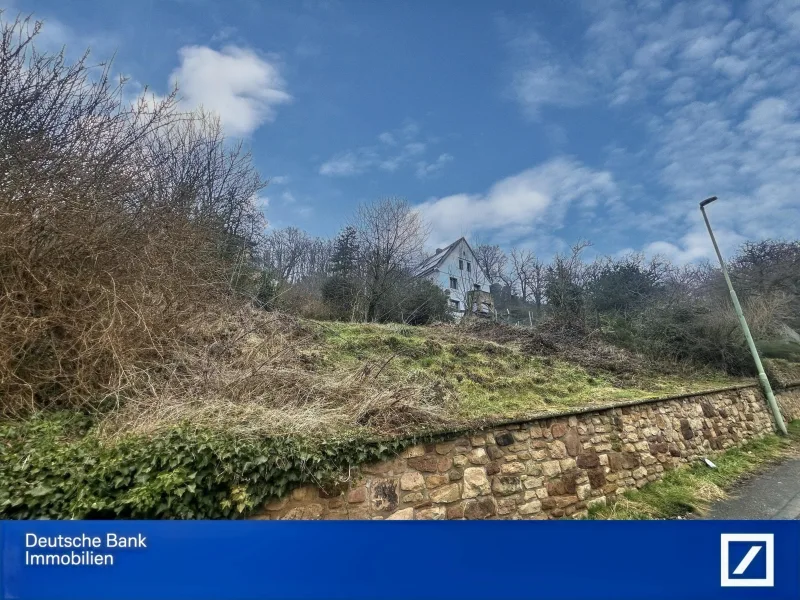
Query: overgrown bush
{"x": 117, "y": 222}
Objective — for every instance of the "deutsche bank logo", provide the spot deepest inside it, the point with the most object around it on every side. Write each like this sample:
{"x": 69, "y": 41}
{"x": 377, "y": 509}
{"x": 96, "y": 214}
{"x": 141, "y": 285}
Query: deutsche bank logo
{"x": 748, "y": 559}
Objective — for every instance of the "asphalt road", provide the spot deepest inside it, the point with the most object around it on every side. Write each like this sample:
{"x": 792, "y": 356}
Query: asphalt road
{"x": 773, "y": 494}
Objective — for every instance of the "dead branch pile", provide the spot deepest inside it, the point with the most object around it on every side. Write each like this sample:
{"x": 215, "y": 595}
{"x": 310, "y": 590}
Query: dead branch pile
{"x": 550, "y": 339}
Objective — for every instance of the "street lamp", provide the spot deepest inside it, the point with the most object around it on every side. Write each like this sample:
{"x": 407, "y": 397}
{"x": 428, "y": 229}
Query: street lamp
{"x": 762, "y": 377}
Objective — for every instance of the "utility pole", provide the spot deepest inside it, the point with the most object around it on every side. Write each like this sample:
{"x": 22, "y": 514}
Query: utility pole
{"x": 762, "y": 376}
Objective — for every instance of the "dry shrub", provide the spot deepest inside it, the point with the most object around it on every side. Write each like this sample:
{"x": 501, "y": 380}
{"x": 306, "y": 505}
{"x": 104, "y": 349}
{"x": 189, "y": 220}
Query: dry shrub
{"x": 104, "y": 250}
{"x": 551, "y": 339}
{"x": 250, "y": 372}
{"x": 85, "y": 299}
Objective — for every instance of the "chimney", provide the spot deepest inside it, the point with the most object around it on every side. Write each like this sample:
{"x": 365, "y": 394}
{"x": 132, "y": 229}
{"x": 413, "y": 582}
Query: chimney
{"x": 438, "y": 250}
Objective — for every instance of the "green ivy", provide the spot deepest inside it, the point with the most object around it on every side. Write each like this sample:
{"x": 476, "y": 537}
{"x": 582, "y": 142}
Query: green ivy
{"x": 56, "y": 466}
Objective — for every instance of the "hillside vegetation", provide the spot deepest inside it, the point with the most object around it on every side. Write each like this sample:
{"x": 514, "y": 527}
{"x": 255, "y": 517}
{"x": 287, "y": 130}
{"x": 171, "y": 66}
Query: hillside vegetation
{"x": 272, "y": 373}
{"x": 163, "y": 354}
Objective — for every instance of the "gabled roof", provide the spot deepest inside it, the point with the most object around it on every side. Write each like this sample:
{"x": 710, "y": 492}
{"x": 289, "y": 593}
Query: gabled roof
{"x": 434, "y": 262}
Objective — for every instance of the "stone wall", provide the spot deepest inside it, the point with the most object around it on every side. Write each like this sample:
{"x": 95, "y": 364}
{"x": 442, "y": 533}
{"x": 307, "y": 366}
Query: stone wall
{"x": 789, "y": 401}
{"x": 548, "y": 468}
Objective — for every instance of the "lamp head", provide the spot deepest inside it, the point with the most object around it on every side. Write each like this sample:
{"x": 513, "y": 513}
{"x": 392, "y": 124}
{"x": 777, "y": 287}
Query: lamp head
{"x": 707, "y": 201}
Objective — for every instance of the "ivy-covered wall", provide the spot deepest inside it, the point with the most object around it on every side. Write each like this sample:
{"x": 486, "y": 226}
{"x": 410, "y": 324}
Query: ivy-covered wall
{"x": 57, "y": 466}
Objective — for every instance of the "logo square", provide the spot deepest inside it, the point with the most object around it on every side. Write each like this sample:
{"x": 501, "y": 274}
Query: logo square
{"x": 747, "y": 560}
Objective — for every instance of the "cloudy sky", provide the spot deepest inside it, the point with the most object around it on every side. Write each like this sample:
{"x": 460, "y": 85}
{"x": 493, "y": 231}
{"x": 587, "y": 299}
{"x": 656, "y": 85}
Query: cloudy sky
{"x": 522, "y": 123}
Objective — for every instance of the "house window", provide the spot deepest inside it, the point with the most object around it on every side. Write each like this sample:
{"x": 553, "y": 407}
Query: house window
{"x": 461, "y": 265}
{"x": 453, "y": 283}
{"x": 469, "y": 267}
{"x": 477, "y": 286}
{"x": 454, "y": 304}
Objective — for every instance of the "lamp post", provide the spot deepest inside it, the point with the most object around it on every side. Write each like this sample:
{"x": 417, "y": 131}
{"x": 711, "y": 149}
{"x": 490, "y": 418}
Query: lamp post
{"x": 762, "y": 377}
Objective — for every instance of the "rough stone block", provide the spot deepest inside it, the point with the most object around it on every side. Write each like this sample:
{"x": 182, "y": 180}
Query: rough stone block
{"x": 445, "y": 447}
{"x": 414, "y": 498}
{"x": 429, "y": 463}
{"x": 475, "y": 483}
{"x": 504, "y": 439}
{"x": 512, "y": 468}
{"x": 597, "y": 477}
{"x": 567, "y": 464}
{"x": 494, "y": 452}
{"x": 530, "y": 508}
{"x": 583, "y": 491}
{"x": 434, "y": 481}
{"x": 448, "y": 493}
{"x": 412, "y": 481}
{"x": 588, "y": 460}
{"x": 506, "y": 486}
{"x": 412, "y": 452}
{"x": 478, "y": 456}
{"x": 434, "y": 513}
{"x": 455, "y": 475}
{"x": 384, "y": 494}
{"x": 558, "y": 449}
{"x": 551, "y": 468}
{"x": 455, "y": 510}
{"x": 308, "y": 512}
{"x": 480, "y": 508}
{"x": 558, "y": 429}
{"x": 530, "y": 483}
{"x": 357, "y": 495}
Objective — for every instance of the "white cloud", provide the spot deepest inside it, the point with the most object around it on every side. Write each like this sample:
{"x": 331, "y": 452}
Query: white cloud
{"x": 426, "y": 169}
{"x": 537, "y": 80}
{"x": 261, "y": 202}
{"x": 535, "y": 199}
{"x": 398, "y": 149}
{"x": 279, "y": 179}
{"x": 348, "y": 163}
{"x": 717, "y": 87}
{"x": 243, "y": 88}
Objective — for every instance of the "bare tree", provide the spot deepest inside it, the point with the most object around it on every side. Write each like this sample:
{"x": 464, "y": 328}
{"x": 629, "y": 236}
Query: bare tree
{"x": 493, "y": 261}
{"x": 564, "y": 289}
{"x": 391, "y": 237}
{"x": 527, "y": 275}
{"x": 205, "y": 176}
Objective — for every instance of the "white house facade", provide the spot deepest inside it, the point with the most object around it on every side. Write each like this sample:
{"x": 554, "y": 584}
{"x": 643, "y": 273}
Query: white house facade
{"x": 456, "y": 271}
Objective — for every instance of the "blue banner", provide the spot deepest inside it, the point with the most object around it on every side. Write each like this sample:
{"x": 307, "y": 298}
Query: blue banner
{"x": 219, "y": 560}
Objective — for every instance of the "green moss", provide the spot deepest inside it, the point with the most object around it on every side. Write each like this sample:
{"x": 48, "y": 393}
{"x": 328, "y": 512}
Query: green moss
{"x": 691, "y": 489}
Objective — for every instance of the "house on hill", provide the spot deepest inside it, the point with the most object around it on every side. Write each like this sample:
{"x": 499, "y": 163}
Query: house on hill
{"x": 456, "y": 270}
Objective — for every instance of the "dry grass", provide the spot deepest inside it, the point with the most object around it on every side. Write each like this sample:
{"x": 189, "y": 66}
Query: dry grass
{"x": 250, "y": 372}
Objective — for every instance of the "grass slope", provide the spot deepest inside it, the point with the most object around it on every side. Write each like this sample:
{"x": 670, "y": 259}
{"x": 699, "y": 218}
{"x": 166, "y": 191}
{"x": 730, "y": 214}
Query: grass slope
{"x": 261, "y": 373}
{"x": 490, "y": 380}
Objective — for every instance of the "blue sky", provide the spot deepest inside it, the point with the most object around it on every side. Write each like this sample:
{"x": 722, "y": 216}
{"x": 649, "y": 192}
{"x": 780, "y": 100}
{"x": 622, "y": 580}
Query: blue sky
{"x": 518, "y": 123}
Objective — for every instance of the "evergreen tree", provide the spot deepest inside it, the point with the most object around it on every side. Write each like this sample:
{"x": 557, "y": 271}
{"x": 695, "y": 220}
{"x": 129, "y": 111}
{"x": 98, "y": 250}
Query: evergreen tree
{"x": 340, "y": 290}
{"x": 345, "y": 253}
